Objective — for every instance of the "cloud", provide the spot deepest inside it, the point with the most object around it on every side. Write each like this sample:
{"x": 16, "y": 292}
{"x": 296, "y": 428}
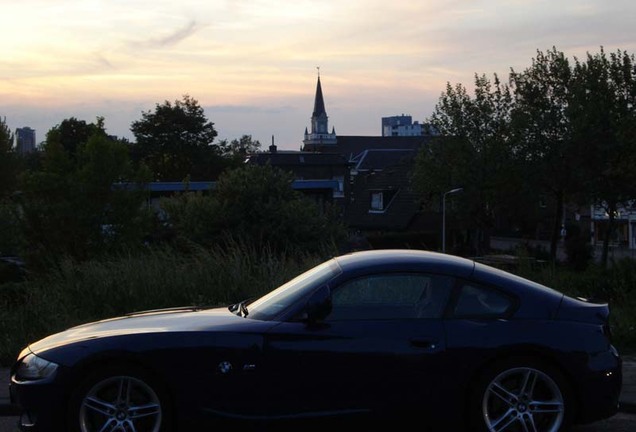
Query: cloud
{"x": 173, "y": 38}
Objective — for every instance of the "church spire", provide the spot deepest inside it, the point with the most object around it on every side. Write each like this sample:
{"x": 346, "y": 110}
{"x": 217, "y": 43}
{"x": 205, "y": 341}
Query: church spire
{"x": 319, "y": 102}
{"x": 319, "y": 135}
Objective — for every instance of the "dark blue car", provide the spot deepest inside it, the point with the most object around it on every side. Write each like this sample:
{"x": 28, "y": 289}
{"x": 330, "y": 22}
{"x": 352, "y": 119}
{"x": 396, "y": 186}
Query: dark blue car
{"x": 387, "y": 335}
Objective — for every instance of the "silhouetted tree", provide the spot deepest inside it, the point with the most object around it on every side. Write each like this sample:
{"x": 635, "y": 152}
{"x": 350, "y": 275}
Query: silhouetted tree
{"x": 174, "y": 138}
{"x": 472, "y": 153}
{"x": 603, "y": 112}
{"x": 256, "y": 204}
{"x": 70, "y": 206}
{"x": 543, "y": 130}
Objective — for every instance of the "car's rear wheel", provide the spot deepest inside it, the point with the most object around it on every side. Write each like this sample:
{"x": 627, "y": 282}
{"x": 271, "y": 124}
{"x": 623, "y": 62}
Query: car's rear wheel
{"x": 521, "y": 396}
{"x": 119, "y": 400}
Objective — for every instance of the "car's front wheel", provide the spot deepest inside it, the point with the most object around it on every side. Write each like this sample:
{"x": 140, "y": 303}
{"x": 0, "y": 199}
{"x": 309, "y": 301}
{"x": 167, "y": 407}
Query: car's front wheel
{"x": 521, "y": 396}
{"x": 119, "y": 400}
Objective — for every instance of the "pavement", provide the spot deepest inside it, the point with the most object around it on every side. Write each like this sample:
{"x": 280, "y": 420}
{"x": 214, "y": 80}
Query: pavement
{"x": 627, "y": 399}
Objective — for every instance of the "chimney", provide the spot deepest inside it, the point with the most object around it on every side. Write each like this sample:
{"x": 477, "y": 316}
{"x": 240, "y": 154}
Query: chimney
{"x": 273, "y": 148}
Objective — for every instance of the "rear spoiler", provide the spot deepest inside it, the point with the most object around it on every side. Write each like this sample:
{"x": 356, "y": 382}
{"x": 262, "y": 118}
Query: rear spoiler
{"x": 583, "y": 310}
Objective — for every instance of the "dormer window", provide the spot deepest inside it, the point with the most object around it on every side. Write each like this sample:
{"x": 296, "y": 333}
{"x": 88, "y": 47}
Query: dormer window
{"x": 380, "y": 200}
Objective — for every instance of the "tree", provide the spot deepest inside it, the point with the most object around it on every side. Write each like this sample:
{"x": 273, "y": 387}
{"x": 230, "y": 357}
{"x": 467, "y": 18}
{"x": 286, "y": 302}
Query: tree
{"x": 71, "y": 208}
{"x": 173, "y": 138}
{"x": 10, "y": 238}
{"x": 543, "y": 132}
{"x": 472, "y": 153}
{"x": 255, "y": 204}
{"x": 8, "y": 160}
{"x": 72, "y": 133}
{"x": 239, "y": 147}
{"x": 603, "y": 113}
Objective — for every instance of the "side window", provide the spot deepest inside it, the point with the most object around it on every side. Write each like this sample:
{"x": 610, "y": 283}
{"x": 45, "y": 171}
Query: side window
{"x": 478, "y": 301}
{"x": 391, "y": 296}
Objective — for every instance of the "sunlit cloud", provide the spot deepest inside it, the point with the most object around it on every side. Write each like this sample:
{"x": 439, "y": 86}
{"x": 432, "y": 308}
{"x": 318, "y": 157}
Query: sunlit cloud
{"x": 253, "y": 62}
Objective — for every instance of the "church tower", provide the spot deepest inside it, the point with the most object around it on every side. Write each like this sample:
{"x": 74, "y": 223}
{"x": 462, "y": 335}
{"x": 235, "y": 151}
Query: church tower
{"x": 319, "y": 135}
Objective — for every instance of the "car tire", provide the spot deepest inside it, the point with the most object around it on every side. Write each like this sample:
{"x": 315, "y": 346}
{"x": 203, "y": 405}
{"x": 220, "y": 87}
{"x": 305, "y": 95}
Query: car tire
{"x": 120, "y": 398}
{"x": 521, "y": 394}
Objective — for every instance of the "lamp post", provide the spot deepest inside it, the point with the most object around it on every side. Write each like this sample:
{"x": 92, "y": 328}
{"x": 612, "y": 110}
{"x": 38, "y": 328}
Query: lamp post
{"x": 452, "y": 191}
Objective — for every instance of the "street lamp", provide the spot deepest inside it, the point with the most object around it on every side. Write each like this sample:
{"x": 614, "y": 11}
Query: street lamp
{"x": 452, "y": 191}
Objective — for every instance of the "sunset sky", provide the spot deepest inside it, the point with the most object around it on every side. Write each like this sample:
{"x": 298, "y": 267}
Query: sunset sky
{"x": 251, "y": 64}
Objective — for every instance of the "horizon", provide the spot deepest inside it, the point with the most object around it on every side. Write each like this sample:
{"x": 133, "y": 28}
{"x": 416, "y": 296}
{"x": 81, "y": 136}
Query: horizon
{"x": 251, "y": 64}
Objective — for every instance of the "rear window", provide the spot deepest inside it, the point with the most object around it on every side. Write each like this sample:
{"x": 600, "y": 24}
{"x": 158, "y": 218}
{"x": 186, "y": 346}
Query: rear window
{"x": 478, "y": 301}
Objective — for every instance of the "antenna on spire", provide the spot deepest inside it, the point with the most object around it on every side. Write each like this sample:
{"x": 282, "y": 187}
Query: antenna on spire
{"x": 318, "y": 67}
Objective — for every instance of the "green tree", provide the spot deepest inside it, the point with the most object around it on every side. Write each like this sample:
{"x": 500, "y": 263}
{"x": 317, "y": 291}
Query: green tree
{"x": 172, "y": 139}
{"x": 603, "y": 113}
{"x": 8, "y": 160}
{"x": 472, "y": 153}
{"x": 258, "y": 205}
{"x": 10, "y": 238}
{"x": 71, "y": 207}
{"x": 72, "y": 133}
{"x": 239, "y": 147}
{"x": 543, "y": 131}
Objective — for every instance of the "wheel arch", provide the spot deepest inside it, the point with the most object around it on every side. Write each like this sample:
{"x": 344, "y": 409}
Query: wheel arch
{"x": 538, "y": 354}
{"x": 117, "y": 360}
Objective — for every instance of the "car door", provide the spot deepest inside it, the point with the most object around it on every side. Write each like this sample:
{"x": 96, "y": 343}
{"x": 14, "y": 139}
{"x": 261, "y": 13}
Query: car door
{"x": 381, "y": 348}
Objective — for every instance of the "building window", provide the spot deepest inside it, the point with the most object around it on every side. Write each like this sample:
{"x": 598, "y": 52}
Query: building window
{"x": 377, "y": 201}
{"x": 340, "y": 192}
{"x": 381, "y": 200}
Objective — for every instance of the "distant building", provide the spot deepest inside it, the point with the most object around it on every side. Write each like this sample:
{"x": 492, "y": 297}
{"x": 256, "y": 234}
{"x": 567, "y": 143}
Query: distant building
{"x": 25, "y": 140}
{"x": 403, "y": 125}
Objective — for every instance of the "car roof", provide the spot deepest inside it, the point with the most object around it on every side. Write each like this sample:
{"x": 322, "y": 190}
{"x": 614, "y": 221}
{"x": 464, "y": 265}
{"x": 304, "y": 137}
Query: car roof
{"x": 405, "y": 259}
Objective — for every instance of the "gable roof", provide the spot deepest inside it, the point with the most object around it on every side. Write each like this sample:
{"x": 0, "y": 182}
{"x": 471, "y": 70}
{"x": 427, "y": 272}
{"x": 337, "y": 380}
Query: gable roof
{"x": 351, "y": 146}
{"x": 294, "y": 158}
{"x": 382, "y": 158}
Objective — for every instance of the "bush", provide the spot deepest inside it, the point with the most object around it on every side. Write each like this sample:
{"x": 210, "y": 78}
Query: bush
{"x": 257, "y": 205}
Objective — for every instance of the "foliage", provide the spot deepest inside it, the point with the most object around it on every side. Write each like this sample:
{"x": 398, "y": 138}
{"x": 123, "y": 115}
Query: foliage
{"x": 8, "y": 160}
{"x": 603, "y": 112}
{"x": 560, "y": 130}
{"x": 474, "y": 154}
{"x": 175, "y": 141}
{"x": 11, "y": 239}
{"x": 255, "y": 204}
{"x": 542, "y": 129}
{"x": 238, "y": 148}
{"x": 193, "y": 215}
{"x": 70, "y": 206}
{"x": 71, "y": 133}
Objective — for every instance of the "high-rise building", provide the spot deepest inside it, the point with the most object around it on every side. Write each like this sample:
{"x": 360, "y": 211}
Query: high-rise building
{"x": 25, "y": 140}
{"x": 402, "y": 125}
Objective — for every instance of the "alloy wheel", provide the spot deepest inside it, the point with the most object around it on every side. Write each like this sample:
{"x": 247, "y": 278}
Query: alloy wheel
{"x": 120, "y": 404}
{"x": 523, "y": 399}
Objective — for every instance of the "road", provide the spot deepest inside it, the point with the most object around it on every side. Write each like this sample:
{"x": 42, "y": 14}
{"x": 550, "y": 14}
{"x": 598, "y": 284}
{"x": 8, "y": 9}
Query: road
{"x": 619, "y": 423}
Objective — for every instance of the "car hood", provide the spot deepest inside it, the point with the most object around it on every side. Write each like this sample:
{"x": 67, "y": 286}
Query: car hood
{"x": 157, "y": 321}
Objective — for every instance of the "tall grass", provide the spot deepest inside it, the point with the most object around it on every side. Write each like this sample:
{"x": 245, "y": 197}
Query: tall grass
{"x": 74, "y": 293}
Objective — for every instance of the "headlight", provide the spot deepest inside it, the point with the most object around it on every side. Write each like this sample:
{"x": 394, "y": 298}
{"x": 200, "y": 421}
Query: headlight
{"x": 33, "y": 367}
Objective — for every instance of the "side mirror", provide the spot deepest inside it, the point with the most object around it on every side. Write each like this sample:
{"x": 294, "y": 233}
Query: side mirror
{"x": 318, "y": 305}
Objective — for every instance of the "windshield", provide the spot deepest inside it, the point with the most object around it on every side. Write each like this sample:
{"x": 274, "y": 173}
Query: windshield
{"x": 284, "y": 296}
